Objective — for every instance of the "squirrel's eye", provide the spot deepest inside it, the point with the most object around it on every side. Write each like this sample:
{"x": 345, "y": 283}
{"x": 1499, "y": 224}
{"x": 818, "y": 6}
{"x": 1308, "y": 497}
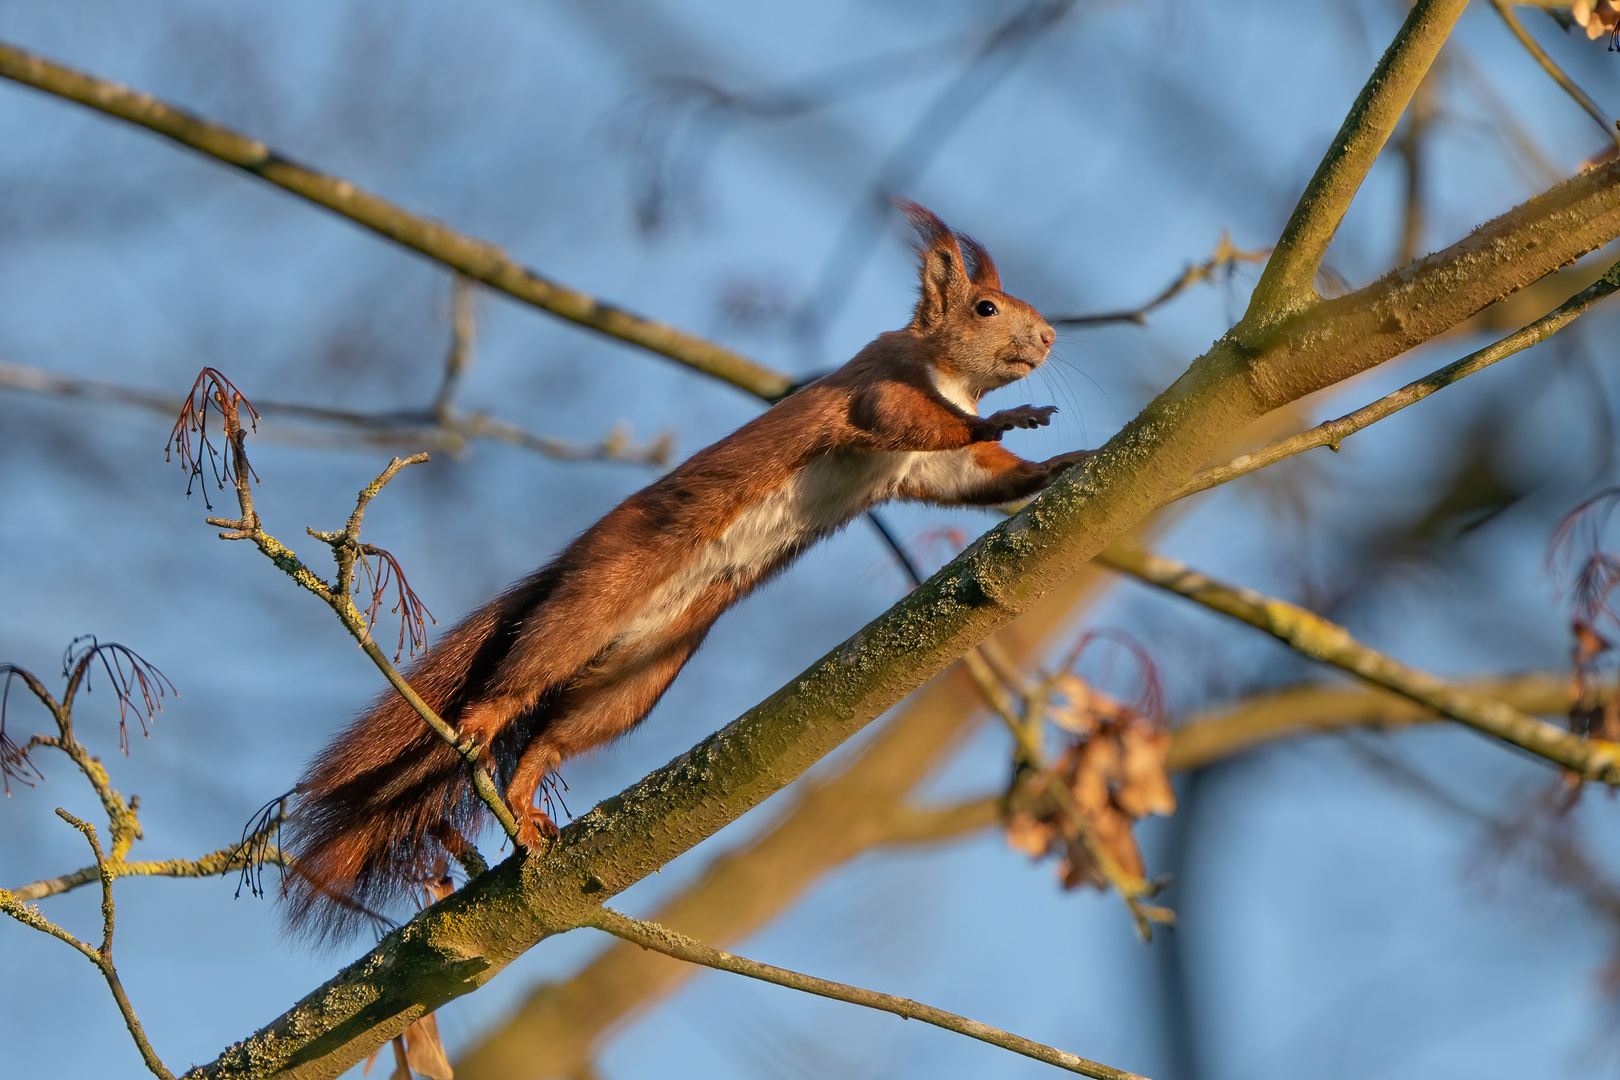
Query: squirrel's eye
{"x": 987, "y": 309}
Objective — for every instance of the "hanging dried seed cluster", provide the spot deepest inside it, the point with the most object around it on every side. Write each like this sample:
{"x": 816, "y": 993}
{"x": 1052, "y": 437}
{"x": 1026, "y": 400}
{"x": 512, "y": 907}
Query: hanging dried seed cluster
{"x": 1113, "y": 765}
{"x": 1590, "y": 574}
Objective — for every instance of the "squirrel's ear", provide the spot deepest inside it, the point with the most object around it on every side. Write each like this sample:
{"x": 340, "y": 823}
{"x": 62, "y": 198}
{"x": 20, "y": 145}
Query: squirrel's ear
{"x": 943, "y": 272}
{"x": 981, "y": 268}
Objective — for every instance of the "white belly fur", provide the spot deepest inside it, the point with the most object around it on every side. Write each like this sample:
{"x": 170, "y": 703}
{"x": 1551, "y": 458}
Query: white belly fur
{"x": 820, "y": 499}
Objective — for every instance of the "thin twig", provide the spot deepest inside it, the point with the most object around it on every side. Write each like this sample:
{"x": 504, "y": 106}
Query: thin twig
{"x": 1311, "y": 635}
{"x": 671, "y": 943}
{"x": 410, "y": 427}
{"x": 1550, "y": 66}
{"x": 102, "y": 957}
{"x": 346, "y": 549}
{"x": 223, "y": 861}
{"x": 1227, "y": 255}
{"x": 477, "y": 259}
{"x": 458, "y": 361}
{"x": 1332, "y": 432}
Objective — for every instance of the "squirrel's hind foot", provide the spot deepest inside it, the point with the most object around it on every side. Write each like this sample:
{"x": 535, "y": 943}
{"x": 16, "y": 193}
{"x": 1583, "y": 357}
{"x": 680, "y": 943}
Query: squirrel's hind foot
{"x": 536, "y": 829}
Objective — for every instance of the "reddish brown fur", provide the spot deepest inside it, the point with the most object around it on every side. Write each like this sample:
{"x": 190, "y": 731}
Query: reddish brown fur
{"x": 559, "y": 664}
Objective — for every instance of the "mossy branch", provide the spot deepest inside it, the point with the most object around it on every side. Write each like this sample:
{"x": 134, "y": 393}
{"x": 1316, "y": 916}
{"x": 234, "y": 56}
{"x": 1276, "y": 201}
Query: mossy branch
{"x": 1287, "y": 284}
{"x": 1331, "y": 433}
{"x": 1311, "y": 635}
{"x": 1297, "y": 711}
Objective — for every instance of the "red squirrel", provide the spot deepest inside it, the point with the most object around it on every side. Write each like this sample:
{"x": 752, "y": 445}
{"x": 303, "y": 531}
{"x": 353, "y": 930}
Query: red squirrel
{"x": 577, "y": 653}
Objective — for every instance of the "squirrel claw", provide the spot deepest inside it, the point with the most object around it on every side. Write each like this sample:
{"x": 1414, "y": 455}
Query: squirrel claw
{"x": 535, "y": 828}
{"x": 1064, "y": 461}
{"x": 1024, "y": 416}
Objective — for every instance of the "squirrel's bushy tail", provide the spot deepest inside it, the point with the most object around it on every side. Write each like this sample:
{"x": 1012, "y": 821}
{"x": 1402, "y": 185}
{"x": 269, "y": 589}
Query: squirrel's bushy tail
{"x": 383, "y": 806}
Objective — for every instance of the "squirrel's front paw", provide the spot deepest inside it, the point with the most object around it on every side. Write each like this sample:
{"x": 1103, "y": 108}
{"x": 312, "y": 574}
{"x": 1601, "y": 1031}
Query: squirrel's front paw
{"x": 1063, "y": 461}
{"x": 1024, "y": 416}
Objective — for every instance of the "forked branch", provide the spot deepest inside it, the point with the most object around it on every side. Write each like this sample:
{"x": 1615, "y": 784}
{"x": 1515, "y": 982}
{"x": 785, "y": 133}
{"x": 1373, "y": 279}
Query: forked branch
{"x": 1311, "y": 635}
{"x": 347, "y": 550}
{"x": 1331, "y": 433}
{"x": 1287, "y": 284}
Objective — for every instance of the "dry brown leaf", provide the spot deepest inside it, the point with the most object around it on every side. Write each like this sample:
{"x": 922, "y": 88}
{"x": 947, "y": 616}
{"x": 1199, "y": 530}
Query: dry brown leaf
{"x": 402, "y": 1070}
{"x": 1146, "y": 786}
{"x": 424, "y": 1052}
{"x": 1068, "y": 704}
{"x": 1026, "y": 834}
{"x": 1113, "y": 832}
{"x": 1077, "y": 869}
{"x": 1096, "y": 768}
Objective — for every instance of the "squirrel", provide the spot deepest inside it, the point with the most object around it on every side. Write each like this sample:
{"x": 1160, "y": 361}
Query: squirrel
{"x": 578, "y": 652}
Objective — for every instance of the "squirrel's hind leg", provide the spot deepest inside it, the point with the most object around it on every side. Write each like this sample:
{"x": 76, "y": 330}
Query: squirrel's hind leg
{"x": 596, "y": 710}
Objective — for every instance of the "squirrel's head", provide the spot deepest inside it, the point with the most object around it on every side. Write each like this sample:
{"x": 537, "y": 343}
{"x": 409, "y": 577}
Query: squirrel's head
{"x": 984, "y": 336}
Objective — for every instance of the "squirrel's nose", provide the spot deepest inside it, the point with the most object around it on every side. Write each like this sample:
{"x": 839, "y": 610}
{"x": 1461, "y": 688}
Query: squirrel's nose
{"x": 1048, "y": 335}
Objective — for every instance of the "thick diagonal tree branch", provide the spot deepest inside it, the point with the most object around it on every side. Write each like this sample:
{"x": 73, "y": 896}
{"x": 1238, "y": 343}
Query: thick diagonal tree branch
{"x": 476, "y": 259}
{"x": 555, "y": 1031}
{"x": 464, "y": 941}
{"x": 1331, "y": 433}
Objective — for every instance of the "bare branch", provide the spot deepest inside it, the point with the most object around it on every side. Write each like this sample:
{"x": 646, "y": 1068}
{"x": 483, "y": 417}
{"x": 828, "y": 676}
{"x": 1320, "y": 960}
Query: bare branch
{"x": 346, "y": 550}
{"x": 1331, "y": 433}
{"x": 102, "y": 957}
{"x": 458, "y": 361}
{"x": 1550, "y": 66}
{"x": 414, "y": 428}
{"x": 476, "y": 259}
{"x": 670, "y": 943}
{"x": 1315, "y": 637}
{"x": 1297, "y": 711}
{"x": 1287, "y": 282}
{"x": 1225, "y": 259}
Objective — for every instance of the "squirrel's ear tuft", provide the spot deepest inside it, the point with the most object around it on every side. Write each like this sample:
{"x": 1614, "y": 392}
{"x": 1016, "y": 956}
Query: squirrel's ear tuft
{"x": 981, "y": 268}
{"x": 943, "y": 272}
